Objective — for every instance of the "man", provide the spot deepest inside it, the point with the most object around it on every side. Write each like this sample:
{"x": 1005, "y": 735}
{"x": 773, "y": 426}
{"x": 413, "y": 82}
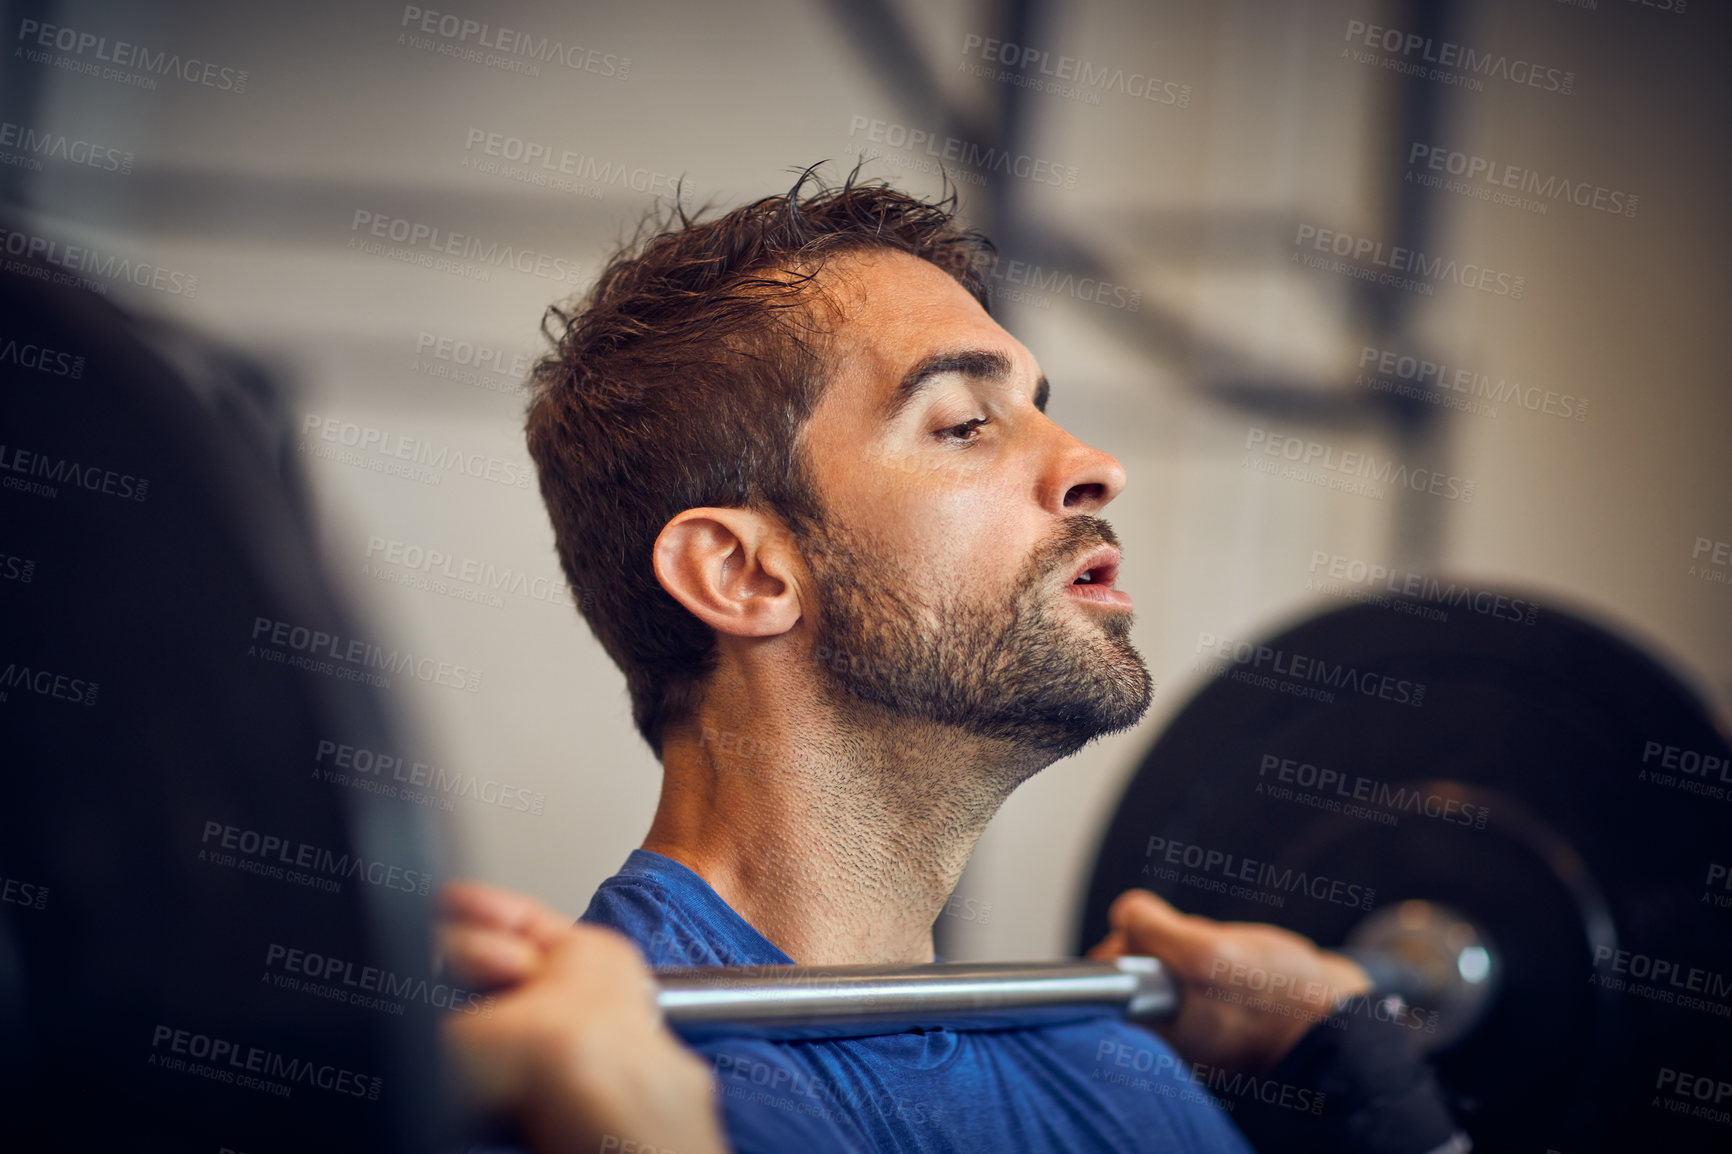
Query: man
{"x": 860, "y": 590}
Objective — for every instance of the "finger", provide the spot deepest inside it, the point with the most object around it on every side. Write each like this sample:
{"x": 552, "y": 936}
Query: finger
{"x": 502, "y": 909}
{"x": 592, "y": 958}
{"x": 1152, "y": 926}
{"x": 1347, "y": 976}
{"x": 483, "y": 903}
{"x": 1142, "y": 910}
{"x": 1110, "y": 947}
{"x": 484, "y": 958}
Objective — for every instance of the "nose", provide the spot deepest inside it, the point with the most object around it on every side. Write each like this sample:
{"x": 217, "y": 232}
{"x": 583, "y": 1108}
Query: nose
{"x": 1079, "y": 478}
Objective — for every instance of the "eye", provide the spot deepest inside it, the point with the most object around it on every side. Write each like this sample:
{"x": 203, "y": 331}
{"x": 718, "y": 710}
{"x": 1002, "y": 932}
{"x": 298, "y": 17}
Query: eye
{"x": 969, "y": 430}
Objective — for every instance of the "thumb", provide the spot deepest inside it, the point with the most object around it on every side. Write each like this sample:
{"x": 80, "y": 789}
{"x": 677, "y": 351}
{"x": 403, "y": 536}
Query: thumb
{"x": 1150, "y": 925}
{"x": 1110, "y": 947}
{"x": 607, "y": 967}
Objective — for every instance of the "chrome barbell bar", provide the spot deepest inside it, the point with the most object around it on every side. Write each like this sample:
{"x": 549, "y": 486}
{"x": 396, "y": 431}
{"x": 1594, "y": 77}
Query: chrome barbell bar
{"x": 1424, "y": 953}
{"x": 803, "y": 1002}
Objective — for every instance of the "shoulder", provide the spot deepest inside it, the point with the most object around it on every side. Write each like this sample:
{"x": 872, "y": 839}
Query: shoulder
{"x": 644, "y": 910}
{"x": 669, "y": 924}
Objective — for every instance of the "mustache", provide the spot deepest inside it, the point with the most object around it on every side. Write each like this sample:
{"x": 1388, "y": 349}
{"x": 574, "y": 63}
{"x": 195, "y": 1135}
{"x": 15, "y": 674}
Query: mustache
{"x": 1074, "y": 537}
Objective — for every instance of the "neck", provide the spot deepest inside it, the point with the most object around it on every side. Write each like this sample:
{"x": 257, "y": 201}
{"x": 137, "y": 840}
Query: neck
{"x": 838, "y": 838}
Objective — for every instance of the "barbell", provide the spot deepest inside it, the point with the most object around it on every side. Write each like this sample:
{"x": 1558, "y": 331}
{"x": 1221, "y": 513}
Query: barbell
{"x": 1419, "y": 955}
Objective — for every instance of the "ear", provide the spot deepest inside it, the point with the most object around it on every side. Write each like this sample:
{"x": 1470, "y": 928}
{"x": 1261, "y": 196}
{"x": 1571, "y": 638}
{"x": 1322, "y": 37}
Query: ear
{"x": 736, "y": 569}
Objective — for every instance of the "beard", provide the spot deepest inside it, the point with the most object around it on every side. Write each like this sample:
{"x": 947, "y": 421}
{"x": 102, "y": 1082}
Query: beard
{"x": 1009, "y": 665}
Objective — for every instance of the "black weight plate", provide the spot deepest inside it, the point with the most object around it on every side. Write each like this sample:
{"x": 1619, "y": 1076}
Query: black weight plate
{"x": 1589, "y": 817}
{"x": 140, "y": 1005}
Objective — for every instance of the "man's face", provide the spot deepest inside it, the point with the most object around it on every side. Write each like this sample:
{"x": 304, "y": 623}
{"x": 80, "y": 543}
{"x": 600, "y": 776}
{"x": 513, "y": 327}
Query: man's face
{"x": 958, "y": 520}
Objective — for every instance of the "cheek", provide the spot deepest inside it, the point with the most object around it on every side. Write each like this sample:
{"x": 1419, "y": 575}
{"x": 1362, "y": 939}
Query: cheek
{"x": 963, "y": 534}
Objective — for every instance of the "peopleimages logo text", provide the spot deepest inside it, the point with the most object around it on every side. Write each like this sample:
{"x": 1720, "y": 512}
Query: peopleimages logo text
{"x": 34, "y": 145}
{"x": 124, "y": 54}
{"x": 254, "y": 1066}
{"x": 1235, "y": 867}
{"x": 52, "y": 470}
{"x": 527, "y": 47}
{"x": 985, "y": 158}
{"x": 1352, "y": 463}
{"x": 357, "y": 656}
{"x": 91, "y": 265}
{"x": 1069, "y": 73}
{"x": 1406, "y": 264}
{"x": 1447, "y": 54}
{"x": 276, "y": 850}
{"x": 462, "y": 246}
{"x": 1303, "y": 668}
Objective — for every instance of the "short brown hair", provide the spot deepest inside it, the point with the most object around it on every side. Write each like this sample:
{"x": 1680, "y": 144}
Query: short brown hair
{"x": 682, "y": 380}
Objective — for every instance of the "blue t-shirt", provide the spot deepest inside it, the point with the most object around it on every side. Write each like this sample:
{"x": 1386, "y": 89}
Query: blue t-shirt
{"x": 1098, "y": 1085}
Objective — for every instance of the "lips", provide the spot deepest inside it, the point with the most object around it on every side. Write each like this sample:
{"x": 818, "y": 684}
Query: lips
{"x": 1101, "y": 567}
{"x": 1092, "y": 579}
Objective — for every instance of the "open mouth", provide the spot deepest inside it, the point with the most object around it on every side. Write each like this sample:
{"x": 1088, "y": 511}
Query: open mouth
{"x": 1100, "y": 568}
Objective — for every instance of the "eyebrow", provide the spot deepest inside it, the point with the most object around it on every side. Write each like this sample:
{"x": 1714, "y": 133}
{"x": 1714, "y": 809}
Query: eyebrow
{"x": 983, "y": 364}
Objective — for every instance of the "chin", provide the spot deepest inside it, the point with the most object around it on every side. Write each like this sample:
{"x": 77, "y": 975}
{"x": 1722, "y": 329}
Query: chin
{"x": 1098, "y": 687}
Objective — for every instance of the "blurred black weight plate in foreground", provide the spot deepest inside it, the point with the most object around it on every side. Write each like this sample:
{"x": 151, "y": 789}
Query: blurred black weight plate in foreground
{"x": 148, "y": 1000}
{"x": 1535, "y": 772}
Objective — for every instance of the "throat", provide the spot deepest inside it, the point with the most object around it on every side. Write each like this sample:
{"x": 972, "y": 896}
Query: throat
{"x": 845, "y": 851}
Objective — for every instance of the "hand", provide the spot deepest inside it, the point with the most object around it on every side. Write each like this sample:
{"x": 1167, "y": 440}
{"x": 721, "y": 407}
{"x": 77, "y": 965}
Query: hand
{"x": 1248, "y": 991}
{"x": 574, "y": 1048}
